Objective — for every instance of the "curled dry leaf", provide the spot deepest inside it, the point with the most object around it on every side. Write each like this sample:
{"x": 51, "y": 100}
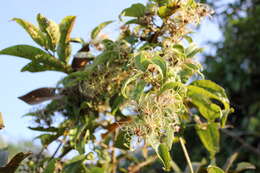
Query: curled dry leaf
{"x": 112, "y": 127}
{"x": 1, "y": 121}
{"x": 14, "y": 163}
{"x": 39, "y": 95}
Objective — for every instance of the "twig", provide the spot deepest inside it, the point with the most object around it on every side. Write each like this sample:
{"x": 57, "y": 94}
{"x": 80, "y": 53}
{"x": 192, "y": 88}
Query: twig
{"x": 113, "y": 154}
{"x": 241, "y": 141}
{"x": 57, "y": 149}
{"x": 137, "y": 167}
{"x": 186, "y": 154}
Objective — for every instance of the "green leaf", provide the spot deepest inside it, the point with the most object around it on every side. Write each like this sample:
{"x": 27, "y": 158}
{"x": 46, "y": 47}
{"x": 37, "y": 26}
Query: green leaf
{"x": 207, "y": 109}
{"x": 78, "y": 40}
{"x": 98, "y": 29}
{"x": 96, "y": 170}
{"x": 209, "y": 136}
{"x": 176, "y": 86}
{"x": 64, "y": 47}
{"x": 192, "y": 50}
{"x": 115, "y": 102}
{"x": 244, "y": 166}
{"x": 50, "y": 168}
{"x": 214, "y": 169}
{"x": 191, "y": 3}
{"x": 202, "y": 92}
{"x": 41, "y": 60}
{"x": 36, "y": 67}
{"x": 127, "y": 82}
{"x": 46, "y": 139}
{"x": 123, "y": 140}
{"x": 162, "y": 64}
{"x": 169, "y": 138}
{"x": 188, "y": 69}
{"x": 188, "y": 38}
{"x": 75, "y": 164}
{"x": 164, "y": 155}
{"x": 178, "y": 48}
{"x": 42, "y": 129}
{"x": 141, "y": 62}
{"x": 162, "y": 2}
{"x": 136, "y": 10}
{"x": 33, "y": 31}
{"x": 164, "y": 11}
{"x": 51, "y": 29}
{"x": 138, "y": 90}
{"x": 214, "y": 91}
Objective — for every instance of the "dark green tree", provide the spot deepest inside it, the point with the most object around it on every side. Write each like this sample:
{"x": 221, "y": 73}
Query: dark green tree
{"x": 236, "y": 67}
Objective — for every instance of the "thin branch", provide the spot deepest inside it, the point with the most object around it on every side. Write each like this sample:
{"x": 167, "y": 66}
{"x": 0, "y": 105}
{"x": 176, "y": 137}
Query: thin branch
{"x": 186, "y": 154}
{"x": 57, "y": 149}
{"x": 136, "y": 168}
{"x": 241, "y": 141}
{"x": 113, "y": 154}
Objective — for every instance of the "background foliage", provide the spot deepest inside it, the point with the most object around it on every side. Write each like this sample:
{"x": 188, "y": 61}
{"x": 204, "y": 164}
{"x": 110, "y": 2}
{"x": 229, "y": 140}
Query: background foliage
{"x": 235, "y": 67}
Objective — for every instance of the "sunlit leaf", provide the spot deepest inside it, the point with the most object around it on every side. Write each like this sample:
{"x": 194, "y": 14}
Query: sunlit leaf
{"x": 214, "y": 169}
{"x": 127, "y": 82}
{"x": 164, "y": 155}
{"x": 188, "y": 38}
{"x": 99, "y": 28}
{"x": 96, "y": 170}
{"x": 33, "y": 31}
{"x": 161, "y": 63}
{"x": 177, "y": 86}
{"x": 192, "y": 50}
{"x": 213, "y": 89}
{"x": 64, "y": 47}
{"x": 136, "y": 10}
{"x": 209, "y": 136}
{"x": 141, "y": 62}
{"x": 51, "y": 29}
{"x": 178, "y": 48}
{"x": 37, "y": 56}
{"x": 244, "y": 166}
{"x": 50, "y": 168}
{"x": 164, "y": 11}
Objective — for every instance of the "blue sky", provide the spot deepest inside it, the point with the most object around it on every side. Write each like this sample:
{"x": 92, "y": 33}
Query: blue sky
{"x": 14, "y": 83}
